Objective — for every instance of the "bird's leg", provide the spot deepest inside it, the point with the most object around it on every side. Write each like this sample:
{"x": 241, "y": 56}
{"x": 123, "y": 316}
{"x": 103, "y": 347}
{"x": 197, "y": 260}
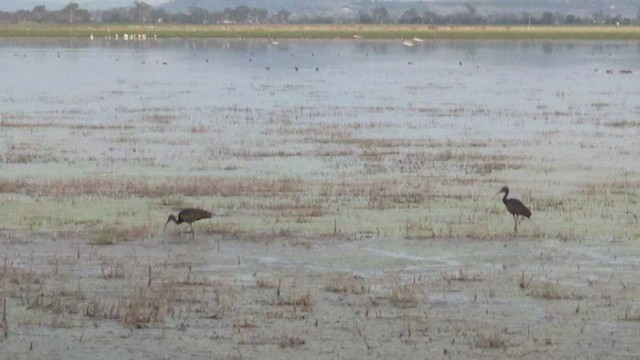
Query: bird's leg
{"x": 515, "y": 219}
{"x": 193, "y": 234}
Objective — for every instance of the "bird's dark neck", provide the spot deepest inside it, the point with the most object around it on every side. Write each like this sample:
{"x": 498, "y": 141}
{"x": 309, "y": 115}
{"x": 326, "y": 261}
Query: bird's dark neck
{"x": 504, "y": 198}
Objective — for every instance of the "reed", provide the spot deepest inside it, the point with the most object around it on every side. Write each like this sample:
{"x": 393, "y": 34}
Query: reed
{"x": 313, "y": 31}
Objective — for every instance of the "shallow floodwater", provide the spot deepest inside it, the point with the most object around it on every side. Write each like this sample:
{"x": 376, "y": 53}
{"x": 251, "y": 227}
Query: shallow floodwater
{"x": 353, "y": 185}
{"x": 105, "y": 78}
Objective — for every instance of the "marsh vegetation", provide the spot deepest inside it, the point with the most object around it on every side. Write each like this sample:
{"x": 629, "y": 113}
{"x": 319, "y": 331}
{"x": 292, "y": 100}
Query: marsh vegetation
{"x": 325, "y": 31}
{"x": 354, "y": 200}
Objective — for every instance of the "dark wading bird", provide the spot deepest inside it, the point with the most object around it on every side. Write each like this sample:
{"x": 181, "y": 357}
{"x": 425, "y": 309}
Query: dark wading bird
{"x": 188, "y": 216}
{"x": 515, "y": 207}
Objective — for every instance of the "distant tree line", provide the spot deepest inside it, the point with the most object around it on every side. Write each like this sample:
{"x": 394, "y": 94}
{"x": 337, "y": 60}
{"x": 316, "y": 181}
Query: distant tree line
{"x": 471, "y": 16}
{"x": 143, "y": 13}
{"x": 72, "y": 13}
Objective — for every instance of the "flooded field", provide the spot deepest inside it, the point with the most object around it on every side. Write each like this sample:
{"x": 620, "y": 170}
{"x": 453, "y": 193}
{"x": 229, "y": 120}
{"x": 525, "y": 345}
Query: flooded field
{"x": 353, "y": 185}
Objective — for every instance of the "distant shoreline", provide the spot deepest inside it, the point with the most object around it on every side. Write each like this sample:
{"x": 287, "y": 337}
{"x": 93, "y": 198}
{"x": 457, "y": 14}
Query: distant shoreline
{"x": 298, "y": 31}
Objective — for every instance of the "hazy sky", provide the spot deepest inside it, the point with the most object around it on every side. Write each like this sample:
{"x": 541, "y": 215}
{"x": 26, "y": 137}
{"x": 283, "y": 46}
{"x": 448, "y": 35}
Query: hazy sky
{"x": 94, "y": 2}
{"x": 13, "y": 5}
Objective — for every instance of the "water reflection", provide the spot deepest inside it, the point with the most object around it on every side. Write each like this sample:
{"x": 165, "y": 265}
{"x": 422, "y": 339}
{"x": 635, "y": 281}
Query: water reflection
{"x": 102, "y": 77}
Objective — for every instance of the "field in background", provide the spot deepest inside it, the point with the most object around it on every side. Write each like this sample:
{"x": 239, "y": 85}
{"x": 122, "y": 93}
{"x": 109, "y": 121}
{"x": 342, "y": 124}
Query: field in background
{"x": 325, "y": 31}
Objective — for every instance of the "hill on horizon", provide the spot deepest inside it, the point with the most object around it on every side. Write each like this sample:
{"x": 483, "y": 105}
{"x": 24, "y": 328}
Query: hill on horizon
{"x": 625, "y": 8}
{"x": 346, "y": 8}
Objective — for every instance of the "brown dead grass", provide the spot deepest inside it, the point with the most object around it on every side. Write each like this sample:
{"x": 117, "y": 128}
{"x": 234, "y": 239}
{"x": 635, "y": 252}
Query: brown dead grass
{"x": 461, "y": 275}
{"x": 491, "y": 342}
{"x": 624, "y": 124}
{"x": 405, "y": 295}
{"x": 344, "y": 284}
{"x": 125, "y": 187}
{"x": 288, "y": 341}
{"x": 114, "y": 233}
{"x": 550, "y": 290}
{"x": 303, "y": 300}
{"x": 144, "y": 307}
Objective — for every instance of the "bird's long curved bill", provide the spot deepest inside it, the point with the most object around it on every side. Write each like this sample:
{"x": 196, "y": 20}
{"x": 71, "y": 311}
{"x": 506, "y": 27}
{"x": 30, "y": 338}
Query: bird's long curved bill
{"x": 165, "y": 226}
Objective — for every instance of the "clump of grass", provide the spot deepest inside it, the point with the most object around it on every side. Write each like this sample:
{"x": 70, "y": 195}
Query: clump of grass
{"x": 267, "y": 283}
{"x": 19, "y": 276}
{"x": 173, "y": 201}
{"x": 461, "y": 275}
{"x": 298, "y": 208}
{"x": 59, "y": 301}
{"x": 550, "y": 290}
{"x": 418, "y": 229}
{"x": 405, "y": 295}
{"x": 102, "y": 309}
{"x": 624, "y": 124}
{"x": 631, "y": 315}
{"x": 103, "y": 238}
{"x": 112, "y": 270}
{"x": 524, "y": 281}
{"x": 490, "y": 342}
{"x": 62, "y": 321}
{"x": 291, "y": 341}
{"x": 199, "y": 129}
{"x": 347, "y": 285}
{"x": 94, "y": 308}
{"x": 144, "y": 307}
{"x": 229, "y": 229}
{"x": 113, "y": 234}
{"x": 302, "y": 300}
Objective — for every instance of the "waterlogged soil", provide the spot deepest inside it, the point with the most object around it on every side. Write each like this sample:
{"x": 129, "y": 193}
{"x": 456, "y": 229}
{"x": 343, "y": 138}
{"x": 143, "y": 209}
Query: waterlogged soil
{"x": 353, "y": 185}
{"x": 322, "y": 298}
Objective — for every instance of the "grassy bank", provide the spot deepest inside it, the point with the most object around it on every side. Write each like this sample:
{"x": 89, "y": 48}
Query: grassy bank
{"x": 325, "y": 31}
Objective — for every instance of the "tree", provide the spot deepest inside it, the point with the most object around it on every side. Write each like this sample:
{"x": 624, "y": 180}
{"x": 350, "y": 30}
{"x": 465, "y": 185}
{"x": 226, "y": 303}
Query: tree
{"x": 240, "y": 14}
{"x": 22, "y": 15}
{"x": 141, "y": 11}
{"x": 157, "y": 15}
{"x": 116, "y": 15}
{"x": 83, "y": 16}
{"x": 410, "y": 16}
{"x": 471, "y": 9}
{"x": 258, "y": 16}
{"x": 571, "y": 19}
{"x": 39, "y": 13}
{"x": 364, "y": 18}
{"x": 430, "y": 17}
{"x": 70, "y": 10}
{"x": 598, "y": 17}
{"x": 381, "y": 15}
{"x": 198, "y": 15}
{"x": 283, "y": 16}
{"x": 548, "y": 18}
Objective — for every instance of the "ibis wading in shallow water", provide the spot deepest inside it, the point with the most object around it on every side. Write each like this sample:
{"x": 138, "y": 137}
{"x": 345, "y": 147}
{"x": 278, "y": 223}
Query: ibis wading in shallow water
{"x": 515, "y": 207}
{"x": 188, "y": 216}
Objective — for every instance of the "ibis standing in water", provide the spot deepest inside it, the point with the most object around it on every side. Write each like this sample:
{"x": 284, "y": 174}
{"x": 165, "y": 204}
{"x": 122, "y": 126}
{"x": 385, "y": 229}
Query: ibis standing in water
{"x": 188, "y": 216}
{"x": 515, "y": 207}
